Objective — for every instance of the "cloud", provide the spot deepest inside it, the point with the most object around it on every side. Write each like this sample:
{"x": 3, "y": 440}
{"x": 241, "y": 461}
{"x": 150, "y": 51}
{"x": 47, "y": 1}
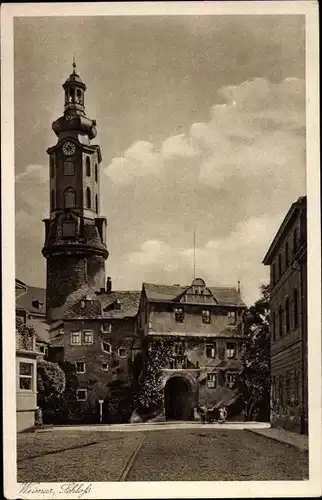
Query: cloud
{"x": 221, "y": 262}
{"x": 178, "y": 146}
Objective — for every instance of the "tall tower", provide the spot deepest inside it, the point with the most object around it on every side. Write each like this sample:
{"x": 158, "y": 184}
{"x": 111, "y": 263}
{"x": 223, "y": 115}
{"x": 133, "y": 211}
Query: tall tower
{"x": 75, "y": 240}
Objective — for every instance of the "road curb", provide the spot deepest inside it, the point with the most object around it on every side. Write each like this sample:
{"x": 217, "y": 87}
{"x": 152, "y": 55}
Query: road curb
{"x": 279, "y": 439}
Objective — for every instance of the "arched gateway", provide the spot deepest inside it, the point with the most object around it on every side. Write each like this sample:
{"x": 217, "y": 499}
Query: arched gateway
{"x": 178, "y": 399}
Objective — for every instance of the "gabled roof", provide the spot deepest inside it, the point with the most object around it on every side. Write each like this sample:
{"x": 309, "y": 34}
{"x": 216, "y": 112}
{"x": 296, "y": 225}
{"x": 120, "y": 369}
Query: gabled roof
{"x": 223, "y": 296}
{"x": 300, "y": 203}
{"x": 33, "y": 294}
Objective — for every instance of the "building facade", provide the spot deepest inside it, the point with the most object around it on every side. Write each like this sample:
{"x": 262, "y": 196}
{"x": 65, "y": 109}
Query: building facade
{"x": 205, "y": 326}
{"x": 75, "y": 233}
{"x": 287, "y": 258}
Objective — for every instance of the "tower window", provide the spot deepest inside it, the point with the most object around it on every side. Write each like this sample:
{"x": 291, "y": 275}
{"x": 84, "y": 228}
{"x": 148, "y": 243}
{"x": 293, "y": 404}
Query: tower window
{"x": 69, "y": 168}
{"x": 96, "y": 172}
{"x": 88, "y": 198}
{"x": 79, "y": 96}
{"x": 72, "y": 95}
{"x": 52, "y": 200}
{"x": 88, "y": 166}
{"x": 52, "y": 167}
{"x": 69, "y": 229}
{"x": 96, "y": 203}
{"x": 69, "y": 198}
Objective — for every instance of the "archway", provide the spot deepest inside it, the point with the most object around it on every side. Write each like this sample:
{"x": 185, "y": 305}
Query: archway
{"x": 178, "y": 399}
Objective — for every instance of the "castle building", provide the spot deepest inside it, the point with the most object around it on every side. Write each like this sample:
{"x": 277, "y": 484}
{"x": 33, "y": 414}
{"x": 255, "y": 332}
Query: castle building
{"x": 75, "y": 233}
{"x": 205, "y": 326}
{"x": 287, "y": 258}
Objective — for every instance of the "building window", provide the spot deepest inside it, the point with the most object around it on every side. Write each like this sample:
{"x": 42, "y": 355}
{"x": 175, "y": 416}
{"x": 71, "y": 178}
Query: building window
{"x": 286, "y": 254}
{"x": 106, "y": 347}
{"x": 88, "y": 337}
{"x": 296, "y": 308}
{"x": 179, "y": 314}
{"x": 75, "y": 338}
{"x": 295, "y": 241}
{"x": 104, "y": 367}
{"x": 96, "y": 203}
{"x": 179, "y": 349}
{"x": 273, "y": 326}
{"x": 88, "y": 166}
{"x": 69, "y": 198}
{"x": 106, "y": 328}
{"x": 280, "y": 321}
{"x": 69, "y": 229}
{"x": 231, "y": 317}
{"x": 79, "y": 96}
{"x": 52, "y": 199}
{"x": 211, "y": 350}
{"x": 230, "y": 350}
{"x": 122, "y": 352}
{"x": 80, "y": 367}
{"x": 230, "y": 380}
{"x": 205, "y": 315}
{"x": 273, "y": 274}
{"x": 81, "y": 394}
{"x": 69, "y": 168}
{"x": 280, "y": 265}
{"x": 287, "y": 315}
{"x": 88, "y": 198}
{"x": 96, "y": 173}
{"x": 52, "y": 167}
{"x": 211, "y": 380}
{"x": 25, "y": 376}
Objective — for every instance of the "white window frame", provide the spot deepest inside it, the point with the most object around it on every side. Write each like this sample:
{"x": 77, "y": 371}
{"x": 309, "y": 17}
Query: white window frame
{"x": 26, "y": 377}
{"x": 232, "y": 317}
{"x": 80, "y": 371}
{"x": 83, "y": 390}
{"x": 179, "y": 313}
{"x": 213, "y": 350}
{"x": 229, "y": 351}
{"x": 79, "y": 336}
{"x": 228, "y": 382}
{"x": 109, "y": 351}
{"x": 206, "y": 316}
{"x": 109, "y": 329}
{"x": 212, "y": 380}
{"x": 118, "y": 352}
{"x": 88, "y": 332}
{"x": 104, "y": 369}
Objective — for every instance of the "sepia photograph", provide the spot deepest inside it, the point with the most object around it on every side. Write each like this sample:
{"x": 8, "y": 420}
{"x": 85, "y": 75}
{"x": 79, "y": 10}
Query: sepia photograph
{"x": 163, "y": 194}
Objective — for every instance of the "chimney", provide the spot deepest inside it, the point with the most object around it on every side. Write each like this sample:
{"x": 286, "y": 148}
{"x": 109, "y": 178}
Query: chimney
{"x": 238, "y": 286}
{"x": 108, "y": 285}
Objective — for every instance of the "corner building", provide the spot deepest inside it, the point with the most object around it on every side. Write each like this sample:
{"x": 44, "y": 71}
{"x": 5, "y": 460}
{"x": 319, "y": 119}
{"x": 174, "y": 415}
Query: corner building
{"x": 287, "y": 258}
{"x": 75, "y": 234}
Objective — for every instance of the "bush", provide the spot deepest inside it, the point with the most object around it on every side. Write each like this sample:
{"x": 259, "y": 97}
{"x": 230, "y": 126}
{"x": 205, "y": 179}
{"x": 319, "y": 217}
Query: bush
{"x": 50, "y": 385}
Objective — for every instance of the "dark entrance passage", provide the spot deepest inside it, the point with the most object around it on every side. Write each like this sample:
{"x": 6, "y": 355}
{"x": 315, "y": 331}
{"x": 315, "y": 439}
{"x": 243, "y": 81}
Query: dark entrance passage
{"x": 178, "y": 399}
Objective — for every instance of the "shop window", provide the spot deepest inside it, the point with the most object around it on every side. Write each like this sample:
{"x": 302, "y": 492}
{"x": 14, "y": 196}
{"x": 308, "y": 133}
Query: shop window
{"x": 75, "y": 338}
{"x": 81, "y": 394}
{"x": 80, "y": 367}
{"x": 230, "y": 350}
{"x": 212, "y": 380}
{"x": 205, "y": 315}
{"x": 25, "y": 376}
{"x": 211, "y": 350}
{"x": 88, "y": 337}
{"x": 179, "y": 315}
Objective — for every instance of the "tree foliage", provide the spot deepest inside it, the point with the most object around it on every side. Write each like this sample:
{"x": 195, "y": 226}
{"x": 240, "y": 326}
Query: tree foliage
{"x": 255, "y": 378}
{"x": 51, "y": 386}
{"x": 25, "y": 333}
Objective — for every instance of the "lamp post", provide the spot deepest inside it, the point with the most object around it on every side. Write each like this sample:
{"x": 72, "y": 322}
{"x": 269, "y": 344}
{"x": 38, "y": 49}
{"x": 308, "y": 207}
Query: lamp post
{"x": 101, "y": 401}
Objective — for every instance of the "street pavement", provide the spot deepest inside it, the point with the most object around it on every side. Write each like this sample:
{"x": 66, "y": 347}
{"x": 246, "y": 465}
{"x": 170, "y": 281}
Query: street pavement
{"x": 199, "y": 454}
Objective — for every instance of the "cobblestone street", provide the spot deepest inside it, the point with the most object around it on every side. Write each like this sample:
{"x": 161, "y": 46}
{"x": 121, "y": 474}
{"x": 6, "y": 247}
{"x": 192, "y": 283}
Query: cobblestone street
{"x": 187, "y": 454}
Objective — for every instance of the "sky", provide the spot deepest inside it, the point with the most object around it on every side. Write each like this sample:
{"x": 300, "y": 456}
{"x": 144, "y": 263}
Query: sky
{"x": 201, "y": 123}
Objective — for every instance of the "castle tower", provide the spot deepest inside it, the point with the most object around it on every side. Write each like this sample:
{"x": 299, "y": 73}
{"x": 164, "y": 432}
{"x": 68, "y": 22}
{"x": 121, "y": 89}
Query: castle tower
{"x": 75, "y": 234}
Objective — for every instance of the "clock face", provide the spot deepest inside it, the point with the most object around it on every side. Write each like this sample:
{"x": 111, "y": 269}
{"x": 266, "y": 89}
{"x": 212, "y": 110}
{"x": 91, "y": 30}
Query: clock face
{"x": 69, "y": 148}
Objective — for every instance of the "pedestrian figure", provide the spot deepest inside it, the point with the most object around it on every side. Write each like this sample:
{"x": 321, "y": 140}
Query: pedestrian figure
{"x": 222, "y": 415}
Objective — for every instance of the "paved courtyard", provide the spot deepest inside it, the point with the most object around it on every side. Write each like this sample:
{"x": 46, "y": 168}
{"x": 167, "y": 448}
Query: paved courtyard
{"x": 167, "y": 455}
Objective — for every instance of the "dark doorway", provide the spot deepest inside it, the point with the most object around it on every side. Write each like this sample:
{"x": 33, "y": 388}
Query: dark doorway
{"x": 178, "y": 399}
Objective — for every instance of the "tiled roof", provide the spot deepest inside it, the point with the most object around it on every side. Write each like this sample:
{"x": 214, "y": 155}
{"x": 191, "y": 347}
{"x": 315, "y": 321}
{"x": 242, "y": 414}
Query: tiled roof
{"x": 129, "y": 303}
{"x": 223, "y": 295}
{"x": 33, "y": 293}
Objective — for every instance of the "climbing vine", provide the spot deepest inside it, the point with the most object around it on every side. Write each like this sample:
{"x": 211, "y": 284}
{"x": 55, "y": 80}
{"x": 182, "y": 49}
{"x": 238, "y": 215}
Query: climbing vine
{"x": 26, "y": 333}
{"x": 158, "y": 354}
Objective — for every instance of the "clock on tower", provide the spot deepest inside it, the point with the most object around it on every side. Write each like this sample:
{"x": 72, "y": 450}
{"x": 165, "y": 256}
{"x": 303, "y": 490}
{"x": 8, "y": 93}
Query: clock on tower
{"x": 75, "y": 240}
